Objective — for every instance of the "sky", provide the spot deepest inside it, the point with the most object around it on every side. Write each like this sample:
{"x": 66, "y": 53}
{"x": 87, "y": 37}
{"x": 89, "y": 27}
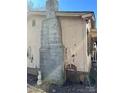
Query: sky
{"x": 71, "y": 5}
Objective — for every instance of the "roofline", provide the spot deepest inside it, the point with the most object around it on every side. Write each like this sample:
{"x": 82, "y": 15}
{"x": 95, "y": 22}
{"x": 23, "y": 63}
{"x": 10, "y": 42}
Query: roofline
{"x": 66, "y": 11}
{"x": 72, "y": 13}
{"x": 76, "y": 11}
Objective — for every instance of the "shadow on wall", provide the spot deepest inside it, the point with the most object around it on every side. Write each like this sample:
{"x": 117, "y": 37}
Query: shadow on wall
{"x": 72, "y": 75}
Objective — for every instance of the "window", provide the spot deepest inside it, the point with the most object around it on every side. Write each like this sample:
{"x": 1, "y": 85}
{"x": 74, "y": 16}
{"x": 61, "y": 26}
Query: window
{"x": 33, "y": 23}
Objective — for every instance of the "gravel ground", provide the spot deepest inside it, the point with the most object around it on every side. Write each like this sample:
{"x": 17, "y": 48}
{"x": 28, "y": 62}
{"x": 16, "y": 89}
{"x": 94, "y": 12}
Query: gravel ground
{"x": 32, "y": 89}
{"x": 31, "y": 79}
{"x": 70, "y": 89}
{"x": 66, "y": 88}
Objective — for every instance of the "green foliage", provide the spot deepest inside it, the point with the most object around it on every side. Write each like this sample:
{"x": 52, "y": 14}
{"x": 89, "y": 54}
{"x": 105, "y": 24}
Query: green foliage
{"x": 93, "y": 77}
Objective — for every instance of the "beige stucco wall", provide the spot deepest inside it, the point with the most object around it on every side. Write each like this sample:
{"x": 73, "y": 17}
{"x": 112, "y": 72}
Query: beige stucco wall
{"x": 33, "y": 39}
{"x": 73, "y": 36}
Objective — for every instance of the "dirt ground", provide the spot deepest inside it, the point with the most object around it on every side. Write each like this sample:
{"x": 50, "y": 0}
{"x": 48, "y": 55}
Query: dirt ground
{"x": 66, "y": 88}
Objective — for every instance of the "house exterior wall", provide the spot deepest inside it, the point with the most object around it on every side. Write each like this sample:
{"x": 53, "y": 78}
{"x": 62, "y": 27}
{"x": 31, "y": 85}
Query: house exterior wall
{"x": 73, "y": 36}
{"x": 33, "y": 39}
